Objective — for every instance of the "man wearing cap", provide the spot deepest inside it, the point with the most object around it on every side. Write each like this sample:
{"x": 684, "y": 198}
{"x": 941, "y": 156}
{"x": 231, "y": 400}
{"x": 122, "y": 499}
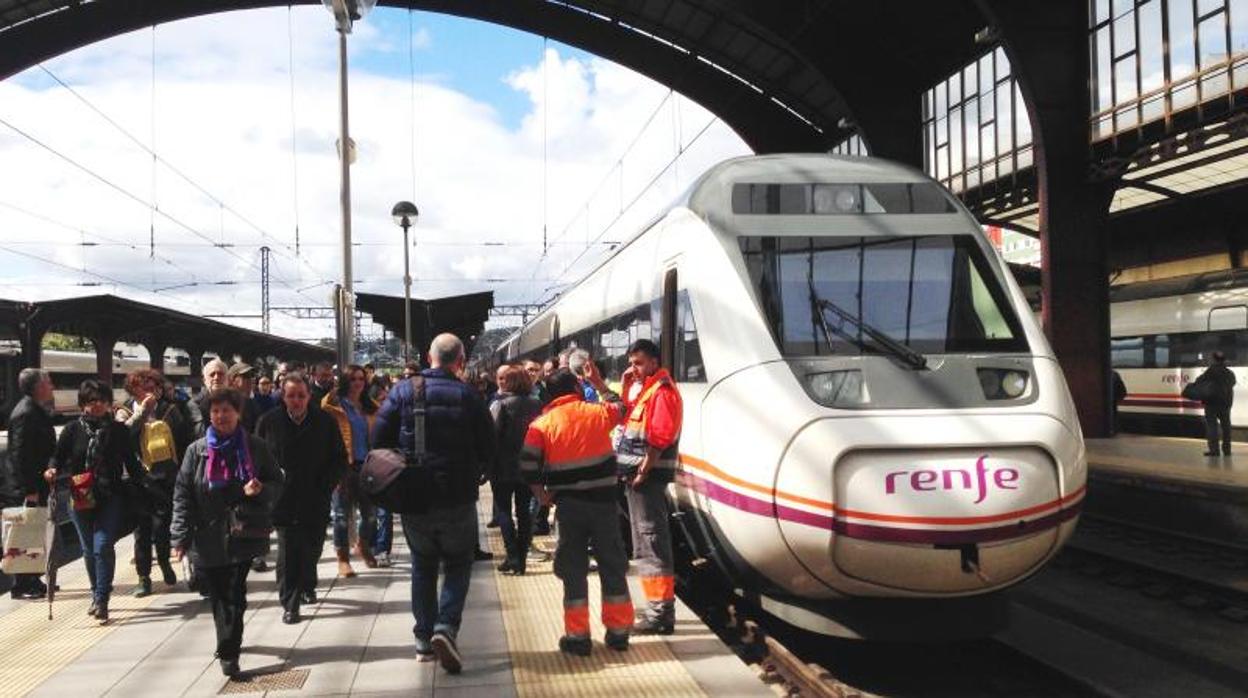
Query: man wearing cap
{"x": 242, "y": 377}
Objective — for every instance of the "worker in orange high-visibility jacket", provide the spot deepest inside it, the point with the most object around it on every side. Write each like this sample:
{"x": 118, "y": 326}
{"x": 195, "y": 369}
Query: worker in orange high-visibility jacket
{"x": 568, "y": 458}
{"x": 647, "y": 456}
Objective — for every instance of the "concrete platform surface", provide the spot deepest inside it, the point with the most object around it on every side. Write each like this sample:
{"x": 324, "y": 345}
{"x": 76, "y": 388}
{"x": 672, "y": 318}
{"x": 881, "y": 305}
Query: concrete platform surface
{"x": 1170, "y": 458}
{"x": 356, "y": 641}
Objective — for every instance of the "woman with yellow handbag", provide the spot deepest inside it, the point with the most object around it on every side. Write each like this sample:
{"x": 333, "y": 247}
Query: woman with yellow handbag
{"x": 159, "y": 437}
{"x": 94, "y": 450}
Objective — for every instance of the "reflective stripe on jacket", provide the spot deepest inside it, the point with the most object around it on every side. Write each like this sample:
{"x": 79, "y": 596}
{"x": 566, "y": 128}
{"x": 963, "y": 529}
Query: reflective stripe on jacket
{"x": 568, "y": 448}
{"x": 638, "y": 430}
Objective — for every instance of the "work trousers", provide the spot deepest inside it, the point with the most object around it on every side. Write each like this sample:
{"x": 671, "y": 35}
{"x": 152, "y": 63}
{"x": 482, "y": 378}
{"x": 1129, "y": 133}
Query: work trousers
{"x": 227, "y": 589}
{"x": 298, "y": 551}
{"x": 1218, "y": 419}
{"x": 583, "y": 522}
{"x": 153, "y": 529}
{"x": 445, "y": 539}
{"x": 652, "y": 548}
{"x": 517, "y": 532}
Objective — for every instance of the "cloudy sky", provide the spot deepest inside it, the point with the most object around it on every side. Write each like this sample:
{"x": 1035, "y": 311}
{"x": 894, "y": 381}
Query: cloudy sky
{"x": 456, "y": 115}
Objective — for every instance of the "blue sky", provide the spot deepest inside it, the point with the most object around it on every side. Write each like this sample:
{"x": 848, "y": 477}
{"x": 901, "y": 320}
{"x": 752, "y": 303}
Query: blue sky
{"x": 467, "y": 55}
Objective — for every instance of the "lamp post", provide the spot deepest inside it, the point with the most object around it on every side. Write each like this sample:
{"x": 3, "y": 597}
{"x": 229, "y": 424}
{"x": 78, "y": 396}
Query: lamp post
{"x": 405, "y": 214}
{"x": 346, "y": 12}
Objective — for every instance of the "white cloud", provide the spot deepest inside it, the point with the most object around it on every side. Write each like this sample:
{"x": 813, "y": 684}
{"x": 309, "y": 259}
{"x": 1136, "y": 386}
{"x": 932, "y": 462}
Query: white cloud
{"x": 222, "y": 115}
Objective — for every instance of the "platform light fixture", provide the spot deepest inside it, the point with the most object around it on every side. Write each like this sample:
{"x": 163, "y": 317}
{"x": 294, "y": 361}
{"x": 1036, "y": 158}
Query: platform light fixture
{"x": 405, "y": 214}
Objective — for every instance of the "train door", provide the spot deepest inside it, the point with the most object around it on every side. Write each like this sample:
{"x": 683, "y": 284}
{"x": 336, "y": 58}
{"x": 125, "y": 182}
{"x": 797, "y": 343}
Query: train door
{"x": 667, "y": 320}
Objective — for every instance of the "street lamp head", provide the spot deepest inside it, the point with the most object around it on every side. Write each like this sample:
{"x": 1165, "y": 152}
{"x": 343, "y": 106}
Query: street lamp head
{"x": 404, "y": 213}
{"x": 347, "y": 12}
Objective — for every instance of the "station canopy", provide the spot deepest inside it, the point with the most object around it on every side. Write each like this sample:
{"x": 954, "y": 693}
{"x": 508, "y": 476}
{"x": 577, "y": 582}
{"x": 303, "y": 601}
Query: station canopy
{"x": 464, "y": 316}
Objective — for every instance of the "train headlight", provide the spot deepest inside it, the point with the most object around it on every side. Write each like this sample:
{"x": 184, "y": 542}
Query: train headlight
{"x": 843, "y": 389}
{"x": 1002, "y": 384}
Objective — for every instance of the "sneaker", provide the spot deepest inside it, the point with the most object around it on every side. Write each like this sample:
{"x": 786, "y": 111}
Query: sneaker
{"x": 101, "y": 613}
{"x": 291, "y": 616}
{"x": 424, "y": 650}
{"x": 504, "y": 566}
{"x": 144, "y": 588}
{"x": 95, "y": 608}
{"x": 579, "y": 646}
{"x": 259, "y": 565}
{"x": 448, "y": 654}
{"x": 229, "y": 667}
{"x": 616, "y": 641}
{"x": 383, "y": 560}
{"x": 653, "y": 626}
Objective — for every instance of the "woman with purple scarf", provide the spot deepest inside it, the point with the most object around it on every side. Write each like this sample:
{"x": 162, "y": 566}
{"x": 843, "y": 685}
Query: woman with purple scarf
{"x": 222, "y": 515}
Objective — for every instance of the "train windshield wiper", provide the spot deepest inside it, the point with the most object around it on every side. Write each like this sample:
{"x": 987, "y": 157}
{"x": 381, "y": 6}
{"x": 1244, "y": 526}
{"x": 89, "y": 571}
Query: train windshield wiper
{"x": 820, "y": 307}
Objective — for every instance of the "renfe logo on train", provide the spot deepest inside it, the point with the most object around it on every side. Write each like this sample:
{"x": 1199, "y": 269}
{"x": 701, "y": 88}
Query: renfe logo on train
{"x": 928, "y": 480}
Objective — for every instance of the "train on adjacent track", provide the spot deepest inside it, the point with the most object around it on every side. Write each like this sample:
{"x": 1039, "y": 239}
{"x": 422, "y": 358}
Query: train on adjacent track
{"x": 69, "y": 368}
{"x": 1163, "y": 336}
{"x": 877, "y": 439}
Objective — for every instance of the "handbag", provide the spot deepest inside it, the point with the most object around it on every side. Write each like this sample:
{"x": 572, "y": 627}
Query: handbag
{"x": 82, "y": 490}
{"x": 245, "y": 527}
{"x": 25, "y": 534}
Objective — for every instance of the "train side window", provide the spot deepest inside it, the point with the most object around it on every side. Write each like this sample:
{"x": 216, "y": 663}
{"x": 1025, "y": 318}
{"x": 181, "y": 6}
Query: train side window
{"x": 688, "y": 364}
{"x": 1127, "y": 352}
{"x": 1161, "y": 351}
{"x": 1233, "y": 317}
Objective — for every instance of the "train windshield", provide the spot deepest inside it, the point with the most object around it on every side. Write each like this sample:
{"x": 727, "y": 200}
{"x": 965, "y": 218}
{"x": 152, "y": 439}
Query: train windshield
{"x": 931, "y": 293}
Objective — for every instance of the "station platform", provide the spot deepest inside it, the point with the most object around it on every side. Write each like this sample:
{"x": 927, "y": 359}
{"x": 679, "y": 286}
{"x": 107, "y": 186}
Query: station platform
{"x": 356, "y": 641}
{"x": 1168, "y": 482}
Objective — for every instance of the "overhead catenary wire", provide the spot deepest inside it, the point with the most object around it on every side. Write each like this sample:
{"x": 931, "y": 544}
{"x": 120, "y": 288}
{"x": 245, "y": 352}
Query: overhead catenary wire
{"x": 156, "y": 157}
{"x": 129, "y": 194}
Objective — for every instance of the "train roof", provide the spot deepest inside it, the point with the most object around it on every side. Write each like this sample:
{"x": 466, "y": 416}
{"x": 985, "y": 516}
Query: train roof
{"x": 1177, "y": 286}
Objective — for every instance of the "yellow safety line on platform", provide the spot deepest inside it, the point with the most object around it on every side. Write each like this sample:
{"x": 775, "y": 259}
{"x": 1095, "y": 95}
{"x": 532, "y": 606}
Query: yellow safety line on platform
{"x": 533, "y": 617}
{"x": 33, "y": 648}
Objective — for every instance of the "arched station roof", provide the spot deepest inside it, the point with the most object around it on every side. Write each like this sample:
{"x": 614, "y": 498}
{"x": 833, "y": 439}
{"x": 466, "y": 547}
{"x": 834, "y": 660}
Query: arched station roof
{"x": 786, "y": 76}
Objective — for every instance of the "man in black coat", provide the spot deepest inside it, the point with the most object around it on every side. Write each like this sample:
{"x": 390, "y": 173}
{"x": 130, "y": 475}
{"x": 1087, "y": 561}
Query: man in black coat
{"x": 1219, "y": 391}
{"x": 32, "y": 442}
{"x": 309, "y": 448}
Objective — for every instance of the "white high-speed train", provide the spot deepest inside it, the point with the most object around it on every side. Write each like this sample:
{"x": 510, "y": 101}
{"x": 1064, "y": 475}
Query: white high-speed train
{"x": 1164, "y": 333}
{"x": 877, "y": 436}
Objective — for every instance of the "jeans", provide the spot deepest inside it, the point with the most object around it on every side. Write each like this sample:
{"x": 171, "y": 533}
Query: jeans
{"x": 345, "y": 500}
{"x": 152, "y": 529}
{"x": 298, "y": 551}
{"x": 384, "y": 539}
{"x": 227, "y": 589}
{"x": 442, "y": 538}
{"x": 517, "y": 533}
{"x": 97, "y": 533}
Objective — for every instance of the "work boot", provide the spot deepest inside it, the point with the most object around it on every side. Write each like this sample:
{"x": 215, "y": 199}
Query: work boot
{"x": 579, "y": 646}
{"x": 616, "y": 641}
{"x": 344, "y": 564}
{"x": 144, "y": 588}
{"x": 366, "y": 555}
{"x": 647, "y": 625}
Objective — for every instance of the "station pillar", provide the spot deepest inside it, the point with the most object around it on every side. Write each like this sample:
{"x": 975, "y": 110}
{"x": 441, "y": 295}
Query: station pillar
{"x": 195, "y": 357}
{"x": 1047, "y": 44}
{"x": 104, "y": 344}
{"x": 156, "y": 355}
{"x": 32, "y": 344}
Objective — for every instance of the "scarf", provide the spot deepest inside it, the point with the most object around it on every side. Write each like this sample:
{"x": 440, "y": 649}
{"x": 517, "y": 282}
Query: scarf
{"x": 95, "y": 454}
{"x": 224, "y": 453}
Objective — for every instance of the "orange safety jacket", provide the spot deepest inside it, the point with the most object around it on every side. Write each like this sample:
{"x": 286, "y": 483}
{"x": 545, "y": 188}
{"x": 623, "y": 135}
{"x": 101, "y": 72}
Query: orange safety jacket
{"x": 568, "y": 448}
{"x": 639, "y": 430}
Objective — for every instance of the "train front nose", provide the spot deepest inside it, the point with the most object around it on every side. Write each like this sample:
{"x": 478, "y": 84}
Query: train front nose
{"x": 930, "y": 505}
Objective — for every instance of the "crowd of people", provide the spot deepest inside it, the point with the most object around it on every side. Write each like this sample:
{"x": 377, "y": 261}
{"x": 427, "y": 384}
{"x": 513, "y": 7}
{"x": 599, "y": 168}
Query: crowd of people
{"x": 210, "y": 479}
